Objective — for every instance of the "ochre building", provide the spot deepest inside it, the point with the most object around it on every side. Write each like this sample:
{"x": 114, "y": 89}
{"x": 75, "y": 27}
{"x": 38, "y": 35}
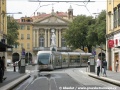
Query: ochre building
{"x": 35, "y": 33}
{"x": 113, "y": 33}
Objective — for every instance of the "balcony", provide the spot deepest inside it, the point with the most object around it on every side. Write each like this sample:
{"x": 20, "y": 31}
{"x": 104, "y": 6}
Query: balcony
{"x": 47, "y": 49}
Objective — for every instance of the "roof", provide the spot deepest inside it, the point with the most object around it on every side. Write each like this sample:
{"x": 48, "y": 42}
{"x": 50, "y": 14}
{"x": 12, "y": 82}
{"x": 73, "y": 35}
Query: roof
{"x": 44, "y": 15}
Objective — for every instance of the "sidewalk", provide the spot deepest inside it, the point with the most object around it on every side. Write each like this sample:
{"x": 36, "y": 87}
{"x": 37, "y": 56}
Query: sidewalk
{"x": 13, "y": 78}
{"x": 112, "y": 77}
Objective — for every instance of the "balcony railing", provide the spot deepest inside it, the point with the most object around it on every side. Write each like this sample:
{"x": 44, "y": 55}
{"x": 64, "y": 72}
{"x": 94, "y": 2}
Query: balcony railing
{"x": 48, "y": 48}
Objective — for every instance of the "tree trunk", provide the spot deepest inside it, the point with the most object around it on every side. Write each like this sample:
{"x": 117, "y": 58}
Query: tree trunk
{"x": 90, "y": 48}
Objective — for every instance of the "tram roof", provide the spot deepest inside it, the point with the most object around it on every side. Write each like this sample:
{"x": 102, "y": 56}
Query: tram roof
{"x": 43, "y": 52}
{"x": 70, "y": 53}
{"x": 77, "y": 53}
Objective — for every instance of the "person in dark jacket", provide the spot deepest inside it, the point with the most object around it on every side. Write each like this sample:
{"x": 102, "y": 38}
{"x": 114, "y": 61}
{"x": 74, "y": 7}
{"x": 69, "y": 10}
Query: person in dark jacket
{"x": 104, "y": 67}
{"x": 1, "y": 70}
{"x": 3, "y": 64}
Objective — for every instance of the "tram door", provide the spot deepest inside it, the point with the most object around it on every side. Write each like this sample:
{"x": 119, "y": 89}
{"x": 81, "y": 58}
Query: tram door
{"x": 65, "y": 59}
{"x": 57, "y": 60}
{"x": 74, "y": 60}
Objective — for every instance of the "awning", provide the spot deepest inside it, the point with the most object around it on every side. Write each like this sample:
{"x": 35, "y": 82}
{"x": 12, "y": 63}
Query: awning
{"x": 117, "y": 47}
{"x": 2, "y": 45}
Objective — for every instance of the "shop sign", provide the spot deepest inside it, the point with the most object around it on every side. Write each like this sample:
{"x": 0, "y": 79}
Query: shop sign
{"x": 110, "y": 43}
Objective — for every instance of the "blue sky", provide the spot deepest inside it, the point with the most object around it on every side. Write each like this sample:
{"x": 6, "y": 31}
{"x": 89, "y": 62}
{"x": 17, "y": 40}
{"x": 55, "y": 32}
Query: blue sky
{"x": 28, "y": 8}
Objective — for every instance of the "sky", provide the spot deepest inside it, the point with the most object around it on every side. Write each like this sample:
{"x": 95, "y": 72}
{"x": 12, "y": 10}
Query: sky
{"x": 28, "y": 8}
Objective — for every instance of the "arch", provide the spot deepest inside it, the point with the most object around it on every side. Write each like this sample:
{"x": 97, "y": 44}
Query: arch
{"x": 102, "y": 55}
{"x": 15, "y": 57}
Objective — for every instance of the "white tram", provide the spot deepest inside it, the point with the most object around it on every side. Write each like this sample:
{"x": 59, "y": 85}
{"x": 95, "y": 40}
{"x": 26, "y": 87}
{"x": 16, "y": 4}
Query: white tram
{"x": 47, "y": 60}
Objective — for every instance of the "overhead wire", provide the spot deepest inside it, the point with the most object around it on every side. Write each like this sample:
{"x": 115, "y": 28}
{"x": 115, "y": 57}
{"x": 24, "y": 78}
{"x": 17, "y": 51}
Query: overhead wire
{"x": 36, "y": 9}
{"x": 39, "y": 6}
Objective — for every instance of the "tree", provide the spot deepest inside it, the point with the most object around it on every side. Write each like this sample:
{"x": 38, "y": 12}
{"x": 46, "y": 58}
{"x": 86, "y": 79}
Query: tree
{"x": 100, "y": 27}
{"x": 76, "y": 34}
{"x": 85, "y": 31}
{"x": 12, "y": 31}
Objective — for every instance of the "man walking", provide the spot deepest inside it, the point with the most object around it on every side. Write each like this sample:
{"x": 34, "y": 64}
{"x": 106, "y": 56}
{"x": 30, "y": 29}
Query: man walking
{"x": 98, "y": 62}
{"x": 104, "y": 67}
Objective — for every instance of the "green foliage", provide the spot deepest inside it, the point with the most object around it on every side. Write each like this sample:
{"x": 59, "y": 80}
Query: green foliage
{"x": 12, "y": 31}
{"x": 101, "y": 27}
{"x": 85, "y": 31}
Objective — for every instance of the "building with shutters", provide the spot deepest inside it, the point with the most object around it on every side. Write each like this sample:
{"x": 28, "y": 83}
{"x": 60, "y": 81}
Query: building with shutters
{"x": 35, "y": 33}
{"x": 113, "y": 33}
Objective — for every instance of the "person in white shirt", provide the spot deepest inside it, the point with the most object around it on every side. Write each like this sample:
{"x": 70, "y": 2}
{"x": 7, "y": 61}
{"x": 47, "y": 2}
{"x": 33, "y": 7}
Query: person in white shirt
{"x": 98, "y": 62}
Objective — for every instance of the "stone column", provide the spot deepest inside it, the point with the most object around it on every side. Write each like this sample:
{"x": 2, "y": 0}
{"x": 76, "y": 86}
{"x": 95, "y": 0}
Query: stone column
{"x": 59, "y": 38}
{"x": 37, "y": 38}
{"x": 34, "y": 38}
{"x": 45, "y": 38}
{"x": 48, "y": 37}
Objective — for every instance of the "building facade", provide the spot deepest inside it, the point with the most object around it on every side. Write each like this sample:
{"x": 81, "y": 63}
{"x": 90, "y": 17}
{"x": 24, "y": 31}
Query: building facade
{"x": 35, "y": 33}
{"x": 3, "y": 29}
{"x": 113, "y": 33}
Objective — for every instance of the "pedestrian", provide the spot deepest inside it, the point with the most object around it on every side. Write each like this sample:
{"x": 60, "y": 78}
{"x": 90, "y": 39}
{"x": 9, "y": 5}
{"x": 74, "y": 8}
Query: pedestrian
{"x": 3, "y": 65}
{"x": 98, "y": 62}
{"x": 1, "y": 71}
{"x": 117, "y": 64}
{"x": 104, "y": 67}
{"x": 88, "y": 65}
{"x": 14, "y": 65}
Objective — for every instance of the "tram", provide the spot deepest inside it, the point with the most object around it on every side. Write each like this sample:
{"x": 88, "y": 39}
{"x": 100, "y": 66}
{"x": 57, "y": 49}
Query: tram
{"x": 48, "y": 60}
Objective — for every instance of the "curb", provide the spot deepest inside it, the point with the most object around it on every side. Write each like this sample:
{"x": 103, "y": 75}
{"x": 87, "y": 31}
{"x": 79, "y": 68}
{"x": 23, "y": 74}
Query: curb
{"x": 15, "y": 82}
{"x": 115, "y": 82}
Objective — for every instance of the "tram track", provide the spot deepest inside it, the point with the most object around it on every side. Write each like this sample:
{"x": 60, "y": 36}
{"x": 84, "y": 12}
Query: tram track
{"x": 101, "y": 83}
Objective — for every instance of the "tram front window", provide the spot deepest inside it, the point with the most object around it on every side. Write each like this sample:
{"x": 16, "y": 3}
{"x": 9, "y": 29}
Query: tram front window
{"x": 44, "y": 58}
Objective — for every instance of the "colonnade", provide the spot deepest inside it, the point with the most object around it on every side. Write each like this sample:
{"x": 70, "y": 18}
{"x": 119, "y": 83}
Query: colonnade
{"x": 47, "y": 37}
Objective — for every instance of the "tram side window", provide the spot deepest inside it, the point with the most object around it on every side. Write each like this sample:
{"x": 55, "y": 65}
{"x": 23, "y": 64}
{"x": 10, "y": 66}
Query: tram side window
{"x": 64, "y": 58}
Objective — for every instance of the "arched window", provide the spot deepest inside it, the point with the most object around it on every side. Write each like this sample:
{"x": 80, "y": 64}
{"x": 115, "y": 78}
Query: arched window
{"x": 41, "y": 43}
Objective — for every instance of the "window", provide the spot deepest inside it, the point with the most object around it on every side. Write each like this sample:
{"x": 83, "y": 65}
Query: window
{"x": 109, "y": 1}
{"x": 22, "y": 45}
{"x": 110, "y": 21}
{"x": 115, "y": 17}
{"x": 63, "y": 42}
{"x": 3, "y": 1}
{"x": 22, "y": 27}
{"x": 28, "y": 36}
{"x": 28, "y": 46}
{"x": 15, "y": 45}
{"x": 28, "y": 27}
{"x": 23, "y": 20}
{"x": 41, "y": 43}
{"x": 119, "y": 15}
{"x": 22, "y": 36}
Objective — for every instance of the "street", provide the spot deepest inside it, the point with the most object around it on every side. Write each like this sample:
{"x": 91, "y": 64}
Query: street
{"x": 63, "y": 79}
